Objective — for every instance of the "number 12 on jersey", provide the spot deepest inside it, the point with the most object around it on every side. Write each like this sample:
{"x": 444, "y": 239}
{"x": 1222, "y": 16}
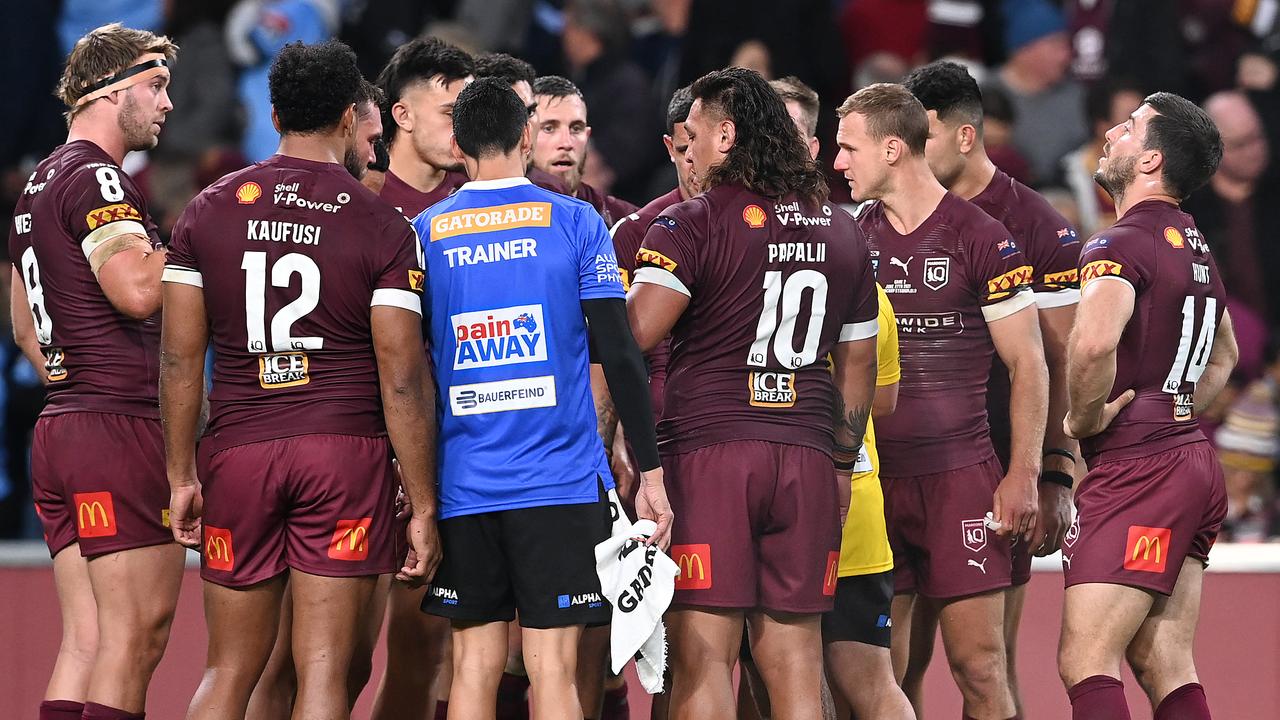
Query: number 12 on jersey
{"x": 255, "y": 300}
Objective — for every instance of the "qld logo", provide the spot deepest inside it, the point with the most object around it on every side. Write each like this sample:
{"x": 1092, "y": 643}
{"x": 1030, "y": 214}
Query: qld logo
{"x": 504, "y": 336}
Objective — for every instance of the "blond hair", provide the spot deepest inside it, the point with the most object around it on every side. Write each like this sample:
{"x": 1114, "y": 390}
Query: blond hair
{"x": 891, "y": 111}
{"x": 103, "y": 52}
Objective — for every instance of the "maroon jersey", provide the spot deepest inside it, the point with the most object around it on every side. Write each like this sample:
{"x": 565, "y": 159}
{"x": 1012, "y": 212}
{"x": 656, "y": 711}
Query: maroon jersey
{"x": 612, "y": 209}
{"x": 773, "y": 286}
{"x": 947, "y": 279}
{"x": 628, "y": 234}
{"x": 1052, "y": 247}
{"x": 292, "y": 254}
{"x": 1156, "y": 249}
{"x": 98, "y": 359}
{"x": 411, "y": 201}
{"x": 545, "y": 180}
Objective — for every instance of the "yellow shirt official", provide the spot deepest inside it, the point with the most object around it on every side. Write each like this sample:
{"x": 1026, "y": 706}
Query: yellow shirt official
{"x": 864, "y": 547}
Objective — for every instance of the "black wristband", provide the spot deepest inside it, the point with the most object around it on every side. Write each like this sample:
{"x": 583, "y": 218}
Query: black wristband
{"x": 846, "y": 466}
{"x": 1057, "y": 477}
{"x": 1061, "y": 453}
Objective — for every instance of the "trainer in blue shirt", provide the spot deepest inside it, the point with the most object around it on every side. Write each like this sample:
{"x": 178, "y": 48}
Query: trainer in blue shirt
{"x": 515, "y": 276}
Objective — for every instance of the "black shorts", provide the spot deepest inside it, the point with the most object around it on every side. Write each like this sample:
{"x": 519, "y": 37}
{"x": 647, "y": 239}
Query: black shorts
{"x": 861, "y": 613}
{"x": 538, "y": 562}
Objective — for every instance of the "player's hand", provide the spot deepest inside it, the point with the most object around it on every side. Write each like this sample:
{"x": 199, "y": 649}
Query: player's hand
{"x": 651, "y": 504}
{"x": 424, "y": 551}
{"x": 1053, "y": 520}
{"x": 1014, "y": 507}
{"x": 1077, "y": 428}
{"x": 624, "y": 475}
{"x": 186, "y": 506}
{"x": 403, "y": 507}
{"x": 844, "y": 491}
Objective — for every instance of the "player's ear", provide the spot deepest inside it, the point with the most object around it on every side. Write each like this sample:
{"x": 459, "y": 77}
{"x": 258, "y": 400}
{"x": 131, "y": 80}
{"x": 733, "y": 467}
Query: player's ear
{"x": 671, "y": 147}
{"x": 402, "y": 117}
{"x": 968, "y": 137}
{"x": 1150, "y": 161}
{"x": 455, "y": 150}
{"x": 728, "y": 135}
{"x": 892, "y": 149}
{"x": 814, "y": 146}
{"x": 526, "y": 141}
{"x": 347, "y": 122}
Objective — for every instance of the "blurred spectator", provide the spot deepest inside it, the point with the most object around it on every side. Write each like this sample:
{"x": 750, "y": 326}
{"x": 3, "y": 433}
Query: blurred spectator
{"x": 892, "y": 27}
{"x": 658, "y": 39}
{"x": 1107, "y": 104}
{"x": 1048, "y": 105}
{"x": 998, "y": 119}
{"x": 968, "y": 29}
{"x": 1248, "y": 446}
{"x": 374, "y": 29}
{"x": 623, "y": 110}
{"x": 1237, "y": 209}
{"x": 80, "y": 16}
{"x": 880, "y": 67}
{"x": 256, "y": 31}
{"x": 497, "y": 25}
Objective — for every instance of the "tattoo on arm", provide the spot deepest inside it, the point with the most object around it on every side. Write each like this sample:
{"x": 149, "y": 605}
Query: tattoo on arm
{"x": 607, "y": 422}
{"x": 853, "y": 422}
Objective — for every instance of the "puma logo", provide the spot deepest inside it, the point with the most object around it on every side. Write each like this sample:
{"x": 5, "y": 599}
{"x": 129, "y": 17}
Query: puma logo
{"x": 1066, "y": 560}
{"x": 901, "y": 264}
{"x": 980, "y": 565}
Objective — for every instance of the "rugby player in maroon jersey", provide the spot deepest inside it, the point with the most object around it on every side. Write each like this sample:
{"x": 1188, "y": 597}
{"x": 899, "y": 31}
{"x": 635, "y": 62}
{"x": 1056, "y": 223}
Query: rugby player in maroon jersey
{"x": 958, "y": 158}
{"x": 421, "y": 82}
{"x": 560, "y": 147}
{"x": 1151, "y": 348}
{"x": 960, "y": 290}
{"x": 370, "y": 167}
{"x": 84, "y": 295}
{"x": 756, "y": 280}
{"x": 294, "y": 477}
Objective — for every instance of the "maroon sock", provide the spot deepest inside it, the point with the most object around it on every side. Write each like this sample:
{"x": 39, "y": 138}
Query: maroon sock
{"x": 61, "y": 710}
{"x": 442, "y": 710}
{"x": 94, "y": 711}
{"x": 1185, "y": 703}
{"x": 615, "y": 704}
{"x": 1100, "y": 697}
{"x": 513, "y": 697}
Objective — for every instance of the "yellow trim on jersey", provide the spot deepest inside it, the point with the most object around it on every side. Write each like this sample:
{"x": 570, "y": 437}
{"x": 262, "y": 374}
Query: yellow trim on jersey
{"x": 864, "y": 543}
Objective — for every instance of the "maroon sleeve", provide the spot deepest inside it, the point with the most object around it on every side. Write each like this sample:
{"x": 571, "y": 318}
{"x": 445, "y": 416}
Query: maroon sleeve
{"x": 1118, "y": 253}
{"x": 864, "y": 306}
{"x": 399, "y": 279}
{"x": 670, "y": 248}
{"x": 999, "y": 267}
{"x": 1057, "y": 248}
{"x": 102, "y": 203}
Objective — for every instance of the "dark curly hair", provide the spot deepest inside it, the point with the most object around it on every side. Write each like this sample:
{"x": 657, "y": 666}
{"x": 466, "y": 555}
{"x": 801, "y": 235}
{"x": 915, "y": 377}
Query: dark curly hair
{"x": 507, "y": 68}
{"x": 1187, "y": 138}
{"x": 419, "y": 60}
{"x": 948, "y": 89}
{"x": 488, "y": 118}
{"x": 768, "y": 157}
{"x": 312, "y": 85}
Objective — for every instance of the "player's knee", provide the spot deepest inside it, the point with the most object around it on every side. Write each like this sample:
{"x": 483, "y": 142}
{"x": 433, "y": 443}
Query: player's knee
{"x": 551, "y": 667}
{"x": 979, "y": 674}
{"x": 80, "y": 642}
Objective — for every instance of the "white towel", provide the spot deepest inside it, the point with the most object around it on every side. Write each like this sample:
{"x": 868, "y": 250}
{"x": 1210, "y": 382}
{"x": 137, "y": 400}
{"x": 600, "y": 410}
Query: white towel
{"x": 639, "y": 582}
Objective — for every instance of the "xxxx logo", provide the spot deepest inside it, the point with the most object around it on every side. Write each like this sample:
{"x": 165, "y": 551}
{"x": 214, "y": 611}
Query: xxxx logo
{"x": 111, "y": 213}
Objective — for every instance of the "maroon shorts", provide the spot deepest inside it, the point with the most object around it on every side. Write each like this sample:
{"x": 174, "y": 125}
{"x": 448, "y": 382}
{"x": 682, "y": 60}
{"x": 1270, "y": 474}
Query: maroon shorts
{"x": 1021, "y": 573}
{"x": 941, "y": 546}
{"x": 757, "y": 526}
{"x": 99, "y": 479}
{"x": 321, "y": 504}
{"x": 1138, "y": 519}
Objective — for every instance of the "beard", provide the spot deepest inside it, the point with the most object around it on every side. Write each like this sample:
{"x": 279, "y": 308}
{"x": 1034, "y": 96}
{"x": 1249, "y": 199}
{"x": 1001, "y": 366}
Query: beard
{"x": 136, "y": 131}
{"x": 1118, "y": 174}
{"x": 352, "y": 162}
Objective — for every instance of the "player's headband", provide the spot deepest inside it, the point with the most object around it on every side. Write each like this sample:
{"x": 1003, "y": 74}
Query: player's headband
{"x": 149, "y": 66}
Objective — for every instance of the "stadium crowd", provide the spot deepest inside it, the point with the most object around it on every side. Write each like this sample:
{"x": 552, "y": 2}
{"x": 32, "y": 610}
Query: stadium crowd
{"x": 477, "y": 117}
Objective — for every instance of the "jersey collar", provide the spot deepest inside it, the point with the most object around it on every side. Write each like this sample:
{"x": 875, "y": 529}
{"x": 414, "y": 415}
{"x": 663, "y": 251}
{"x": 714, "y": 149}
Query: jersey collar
{"x": 499, "y": 184}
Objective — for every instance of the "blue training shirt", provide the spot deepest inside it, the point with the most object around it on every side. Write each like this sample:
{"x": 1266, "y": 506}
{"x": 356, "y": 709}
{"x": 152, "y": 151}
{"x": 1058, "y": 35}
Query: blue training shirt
{"x": 508, "y": 265}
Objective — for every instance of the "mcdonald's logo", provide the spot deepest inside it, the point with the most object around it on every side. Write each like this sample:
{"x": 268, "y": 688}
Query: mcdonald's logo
{"x": 95, "y": 515}
{"x": 351, "y": 540}
{"x": 218, "y": 552}
{"x": 695, "y": 566}
{"x": 831, "y": 576}
{"x": 1147, "y": 549}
